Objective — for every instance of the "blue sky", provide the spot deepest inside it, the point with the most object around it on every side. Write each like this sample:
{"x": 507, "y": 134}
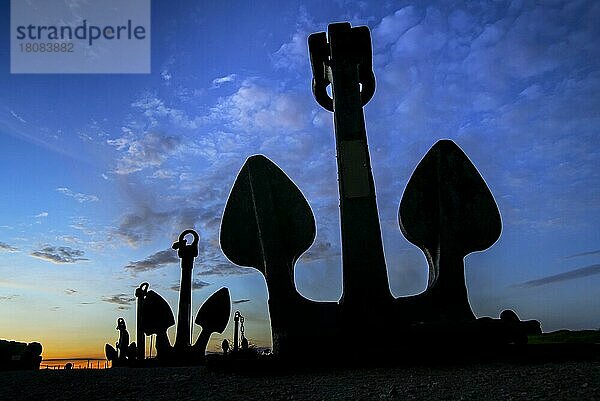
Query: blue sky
{"x": 101, "y": 172}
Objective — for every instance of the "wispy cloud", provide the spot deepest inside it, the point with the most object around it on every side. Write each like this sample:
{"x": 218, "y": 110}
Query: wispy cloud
{"x": 8, "y": 297}
{"x": 158, "y": 112}
{"x": 71, "y": 291}
{"x": 166, "y": 75}
{"x": 224, "y": 269}
{"x": 590, "y": 253}
{"x": 18, "y": 117}
{"x": 240, "y": 301}
{"x": 196, "y": 285}
{"x": 41, "y": 215}
{"x": 79, "y": 197}
{"x": 292, "y": 55}
{"x": 319, "y": 251}
{"x": 59, "y": 254}
{"x": 154, "y": 261}
{"x": 4, "y": 247}
{"x": 141, "y": 225}
{"x": 557, "y": 278}
{"x": 257, "y": 107}
{"x": 137, "y": 154}
{"x": 217, "y": 82}
{"x": 119, "y": 299}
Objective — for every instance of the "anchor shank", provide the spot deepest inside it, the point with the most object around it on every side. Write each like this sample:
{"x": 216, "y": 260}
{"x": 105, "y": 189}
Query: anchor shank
{"x": 140, "y": 337}
{"x": 140, "y": 293}
{"x": 182, "y": 340}
{"x": 447, "y": 286}
{"x": 364, "y": 273}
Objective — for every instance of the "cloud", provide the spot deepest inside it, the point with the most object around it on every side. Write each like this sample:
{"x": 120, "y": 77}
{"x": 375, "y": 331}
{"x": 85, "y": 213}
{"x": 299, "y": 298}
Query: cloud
{"x": 166, "y": 75}
{"x": 70, "y": 291}
{"x": 257, "y": 107}
{"x": 393, "y": 26}
{"x": 292, "y": 56}
{"x": 4, "y": 247}
{"x": 8, "y": 297}
{"x": 596, "y": 252}
{"x": 164, "y": 174}
{"x": 145, "y": 223}
{"x": 154, "y": 261}
{"x": 320, "y": 251}
{"x": 141, "y": 225}
{"x": 223, "y": 269}
{"x": 557, "y": 278}
{"x": 18, "y": 117}
{"x": 79, "y": 197}
{"x": 59, "y": 254}
{"x": 158, "y": 113}
{"x": 217, "y": 82}
{"x": 82, "y": 224}
{"x": 511, "y": 81}
{"x": 137, "y": 154}
{"x": 41, "y": 215}
{"x": 119, "y": 299}
{"x": 196, "y": 285}
{"x": 240, "y": 301}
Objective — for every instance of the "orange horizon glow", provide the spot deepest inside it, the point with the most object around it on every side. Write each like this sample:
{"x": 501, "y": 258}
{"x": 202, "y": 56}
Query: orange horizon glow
{"x": 53, "y": 349}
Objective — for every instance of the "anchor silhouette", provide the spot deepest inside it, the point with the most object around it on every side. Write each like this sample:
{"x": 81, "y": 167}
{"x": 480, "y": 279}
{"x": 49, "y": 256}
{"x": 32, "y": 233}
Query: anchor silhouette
{"x": 154, "y": 315}
{"x": 446, "y": 210}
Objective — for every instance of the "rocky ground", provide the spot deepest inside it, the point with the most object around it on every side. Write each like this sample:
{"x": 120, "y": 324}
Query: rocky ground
{"x": 496, "y": 381}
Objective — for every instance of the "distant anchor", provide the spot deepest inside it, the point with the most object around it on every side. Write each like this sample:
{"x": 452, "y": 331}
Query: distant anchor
{"x": 186, "y": 253}
{"x": 154, "y": 315}
{"x": 447, "y": 211}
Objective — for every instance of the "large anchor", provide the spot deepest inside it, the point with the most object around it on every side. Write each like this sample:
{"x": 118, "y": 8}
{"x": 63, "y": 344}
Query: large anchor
{"x": 447, "y": 211}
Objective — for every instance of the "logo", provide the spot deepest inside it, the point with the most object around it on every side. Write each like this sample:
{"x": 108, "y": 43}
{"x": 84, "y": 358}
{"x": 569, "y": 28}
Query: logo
{"x": 80, "y": 36}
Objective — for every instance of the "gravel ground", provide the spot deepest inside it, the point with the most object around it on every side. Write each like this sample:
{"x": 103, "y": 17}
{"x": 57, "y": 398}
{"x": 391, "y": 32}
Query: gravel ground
{"x": 549, "y": 381}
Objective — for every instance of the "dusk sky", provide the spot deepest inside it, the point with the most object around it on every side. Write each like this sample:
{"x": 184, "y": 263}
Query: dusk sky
{"x": 101, "y": 172}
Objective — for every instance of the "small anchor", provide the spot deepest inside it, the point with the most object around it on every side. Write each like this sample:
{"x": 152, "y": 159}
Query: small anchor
{"x": 155, "y": 317}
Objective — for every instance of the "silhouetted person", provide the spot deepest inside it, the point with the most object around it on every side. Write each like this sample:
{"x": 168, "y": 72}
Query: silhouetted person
{"x": 225, "y": 346}
{"x": 132, "y": 352}
{"x": 123, "y": 343}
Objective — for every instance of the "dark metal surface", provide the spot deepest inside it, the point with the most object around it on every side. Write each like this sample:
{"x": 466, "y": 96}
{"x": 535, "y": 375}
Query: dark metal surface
{"x": 155, "y": 317}
{"x": 212, "y": 316}
{"x": 186, "y": 253}
{"x": 140, "y": 337}
{"x": 363, "y": 263}
{"x": 267, "y": 224}
{"x": 447, "y": 211}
